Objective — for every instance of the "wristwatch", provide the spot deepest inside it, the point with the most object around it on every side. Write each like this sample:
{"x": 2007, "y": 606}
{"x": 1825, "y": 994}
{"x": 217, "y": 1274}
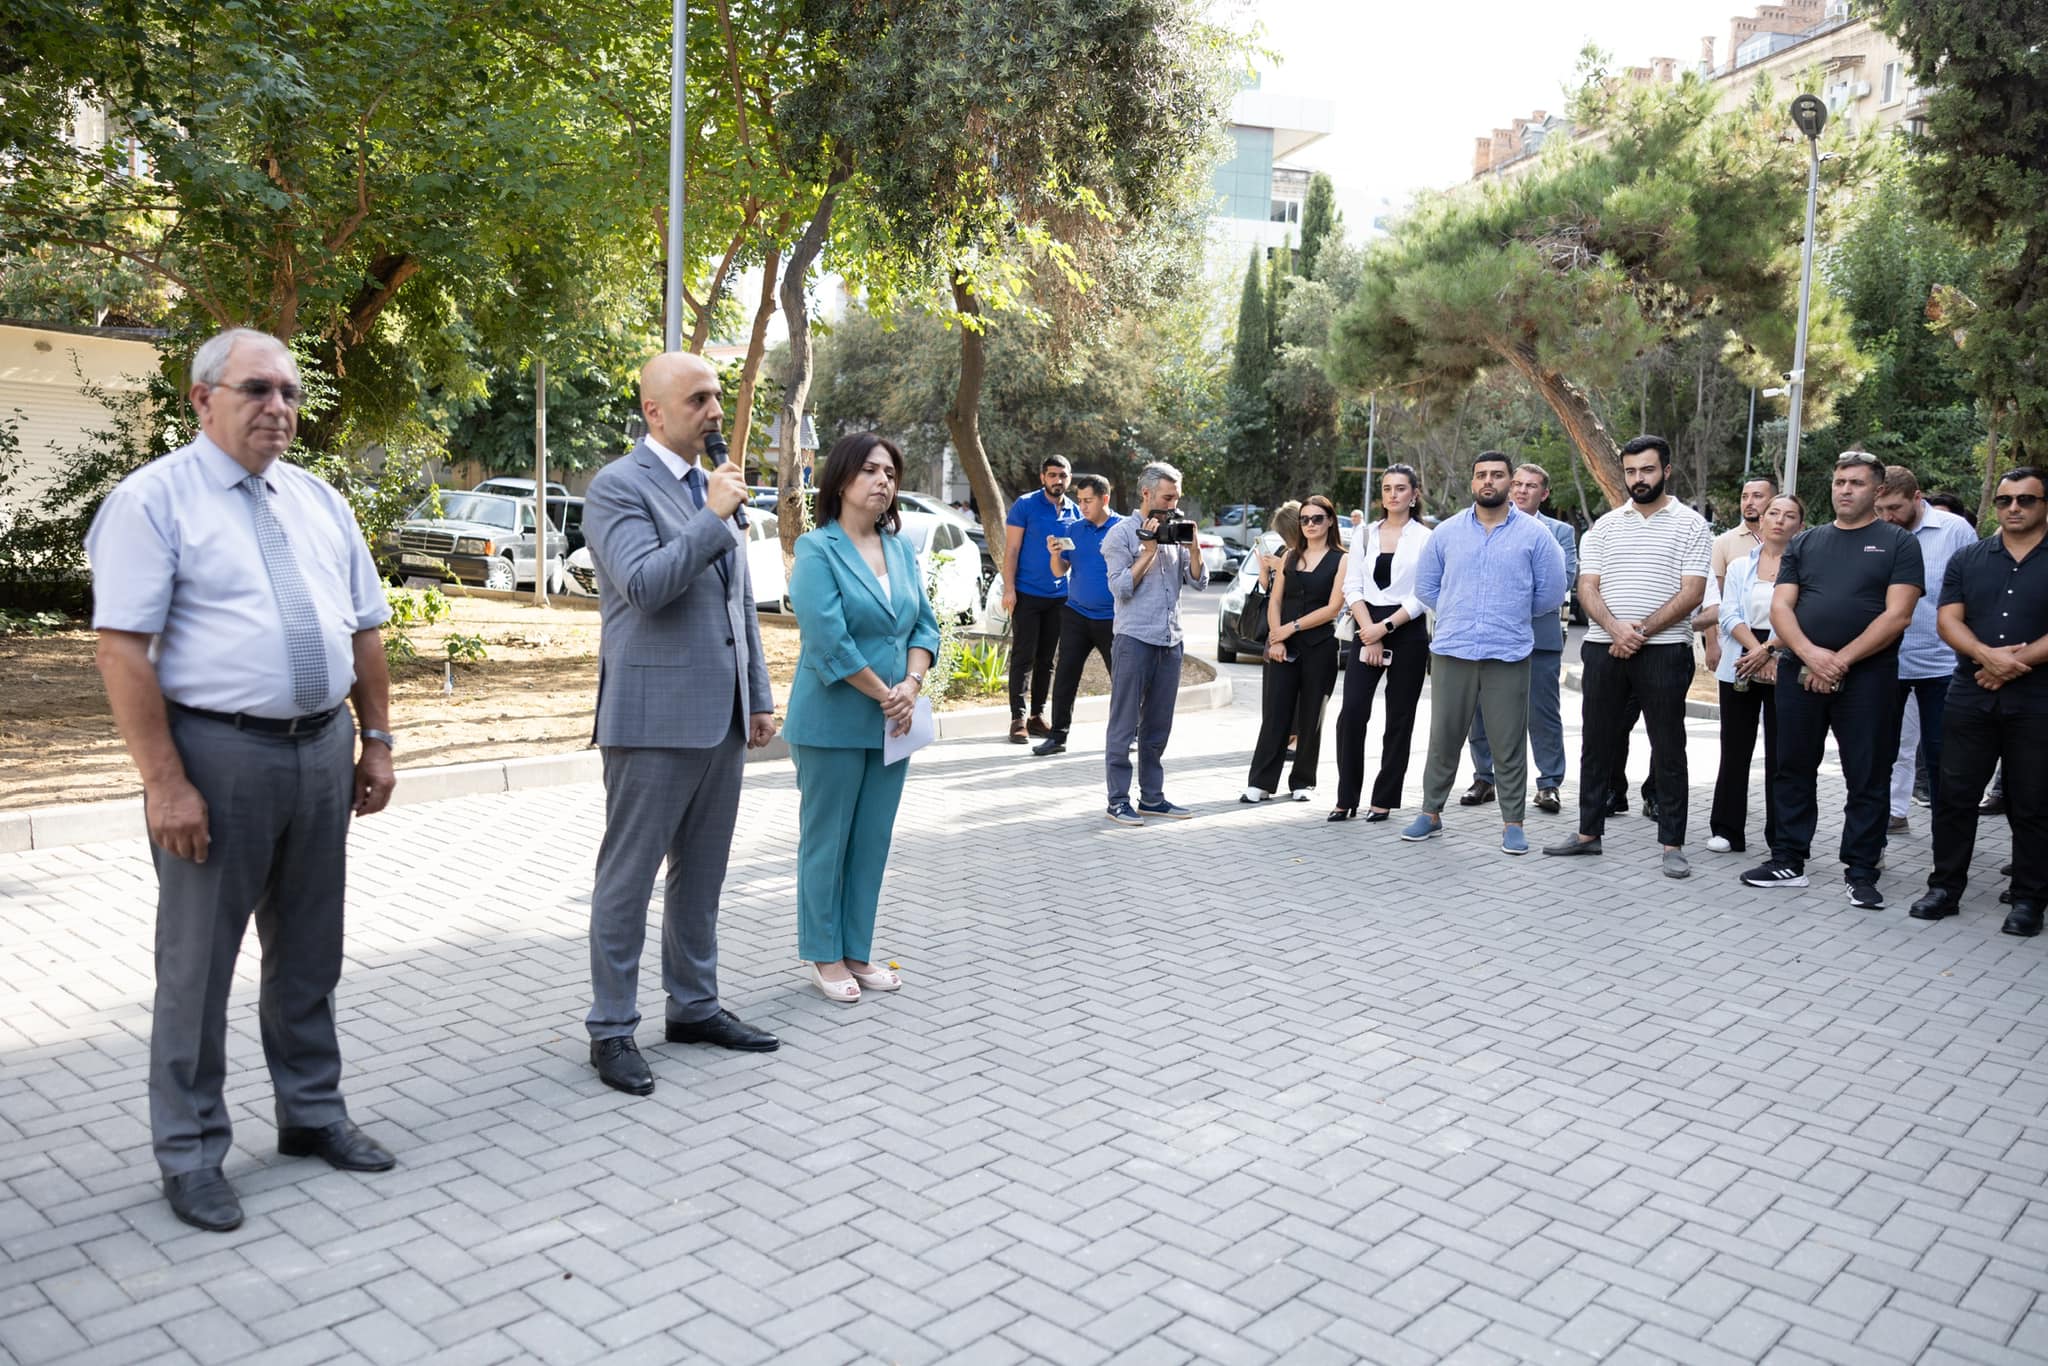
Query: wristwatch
{"x": 918, "y": 676}
{"x": 382, "y": 737}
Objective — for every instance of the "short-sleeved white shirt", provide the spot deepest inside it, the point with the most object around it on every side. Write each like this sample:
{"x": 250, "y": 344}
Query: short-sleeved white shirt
{"x": 174, "y": 556}
{"x": 1641, "y": 561}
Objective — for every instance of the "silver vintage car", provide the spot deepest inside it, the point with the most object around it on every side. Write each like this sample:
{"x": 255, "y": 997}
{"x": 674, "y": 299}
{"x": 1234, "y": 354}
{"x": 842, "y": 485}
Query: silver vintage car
{"x": 486, "y": 539}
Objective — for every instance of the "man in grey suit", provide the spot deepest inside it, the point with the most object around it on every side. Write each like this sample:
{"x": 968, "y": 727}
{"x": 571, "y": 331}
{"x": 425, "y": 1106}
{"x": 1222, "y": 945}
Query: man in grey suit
{"x": 682, "y": 691}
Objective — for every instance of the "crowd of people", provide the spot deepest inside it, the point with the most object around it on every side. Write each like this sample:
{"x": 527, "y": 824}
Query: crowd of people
{"x": 238, "y": 612}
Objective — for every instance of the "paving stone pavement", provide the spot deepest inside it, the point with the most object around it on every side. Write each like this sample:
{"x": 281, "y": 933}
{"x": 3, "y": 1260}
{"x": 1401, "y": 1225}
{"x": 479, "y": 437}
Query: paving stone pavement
{"x": 1248, "y": 1088}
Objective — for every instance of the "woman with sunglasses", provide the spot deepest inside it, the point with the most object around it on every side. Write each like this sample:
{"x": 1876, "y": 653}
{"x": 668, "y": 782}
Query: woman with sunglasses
{"x": 1392, "y": 643}
{"x": 1748, "y": 676}
{"x": 1301, "y": 654}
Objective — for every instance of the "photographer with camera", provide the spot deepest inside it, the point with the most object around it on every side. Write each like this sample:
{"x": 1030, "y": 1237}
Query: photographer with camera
{"x": 1150, "y": 556}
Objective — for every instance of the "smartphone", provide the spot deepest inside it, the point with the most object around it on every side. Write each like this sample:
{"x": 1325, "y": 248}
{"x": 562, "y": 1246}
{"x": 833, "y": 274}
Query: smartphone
{"x": 1064, "y": 542}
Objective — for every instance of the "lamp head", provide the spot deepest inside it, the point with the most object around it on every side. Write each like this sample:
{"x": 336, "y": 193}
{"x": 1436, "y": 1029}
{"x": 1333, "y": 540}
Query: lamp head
{"x": 1809, "y": 115}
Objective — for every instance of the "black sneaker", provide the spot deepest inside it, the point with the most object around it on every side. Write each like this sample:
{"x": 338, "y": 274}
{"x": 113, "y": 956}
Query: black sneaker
{"x": 1775, "y": 874}
{"x": 1866, "y": 895}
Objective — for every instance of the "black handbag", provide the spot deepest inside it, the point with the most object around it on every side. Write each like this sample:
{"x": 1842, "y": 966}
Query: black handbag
{"x": 1251, "y": 618}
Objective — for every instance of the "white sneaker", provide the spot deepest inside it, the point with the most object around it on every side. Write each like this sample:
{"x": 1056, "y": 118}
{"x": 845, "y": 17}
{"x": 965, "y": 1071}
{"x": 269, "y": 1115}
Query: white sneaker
{"x": 1719, "y": 846}
{"x": 1302, "y": 794}
{"x": 1253, "y": 795}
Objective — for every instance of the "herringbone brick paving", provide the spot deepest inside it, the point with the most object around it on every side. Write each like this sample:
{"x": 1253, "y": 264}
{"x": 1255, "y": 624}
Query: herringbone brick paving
{"x": 1250, "y": 1088}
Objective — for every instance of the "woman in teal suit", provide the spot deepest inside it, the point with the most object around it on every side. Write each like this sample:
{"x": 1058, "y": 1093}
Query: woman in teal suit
{"x": 869, "y": 637}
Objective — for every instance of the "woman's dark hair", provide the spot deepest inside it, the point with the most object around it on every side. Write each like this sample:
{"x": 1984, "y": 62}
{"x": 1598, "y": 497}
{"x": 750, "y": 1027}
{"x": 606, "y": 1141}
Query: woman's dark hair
{"x": 1331, "y": 541}
{"x": 1414, "y": 482}
{"x": 843, "y": 462}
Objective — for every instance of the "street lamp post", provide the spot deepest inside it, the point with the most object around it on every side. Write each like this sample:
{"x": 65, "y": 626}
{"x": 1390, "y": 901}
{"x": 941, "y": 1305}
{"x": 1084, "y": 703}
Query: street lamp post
{"x": 672, "y": 296}
{"x": 1810, "y": 115}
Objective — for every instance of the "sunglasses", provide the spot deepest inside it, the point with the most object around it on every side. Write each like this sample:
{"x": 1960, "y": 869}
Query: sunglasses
{"x": 261, "y": 389}
{"x": 1316, "y": 520}
{"x": 2024, "y": 500}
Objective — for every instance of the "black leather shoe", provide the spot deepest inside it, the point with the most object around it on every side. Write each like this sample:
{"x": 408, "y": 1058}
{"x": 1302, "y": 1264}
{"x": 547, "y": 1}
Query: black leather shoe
{"x": 1992, "y": 805}
{"x": 620, "y": 1066}
{"x": 1375, "y": 817}
{"x": 1548, "y": 800}
{"x": 1618, "y": 806}
{"x": 1480, "y": 793}
{"x": 1572, "y": 847}
{"x": 725, "y": 1029}
{"x": 1936, "y": 905}
{"x": 341, "y": 1143}
{"x": 1055, "y": 743}
{"x": 2025, "y": 920}
{"x": 1649, "y": 808}
{"x": 204, "y": 1199}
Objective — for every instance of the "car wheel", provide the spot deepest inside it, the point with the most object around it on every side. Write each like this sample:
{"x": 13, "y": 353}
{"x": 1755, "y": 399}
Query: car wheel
{"x": 1224, "y": 656}
{"x": 500, "y": 576}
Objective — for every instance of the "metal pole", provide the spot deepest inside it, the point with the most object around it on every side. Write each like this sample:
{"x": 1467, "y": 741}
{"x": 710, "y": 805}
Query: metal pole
{"x": 672, "y": 301}
{"x": 1372, "y": 423}
{"x": 540, "y": 482}
{"x": 1798, "y": 376}
{"x": 1749, "y": 442}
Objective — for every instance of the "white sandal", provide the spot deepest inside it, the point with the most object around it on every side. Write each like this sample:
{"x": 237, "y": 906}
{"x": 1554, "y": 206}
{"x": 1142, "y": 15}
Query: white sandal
{"x": 846, "y": 992}
{"x": 876, "y": 979}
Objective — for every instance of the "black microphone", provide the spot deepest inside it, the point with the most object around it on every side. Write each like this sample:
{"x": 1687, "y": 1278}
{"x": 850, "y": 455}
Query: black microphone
{"x": 714, "y": 448}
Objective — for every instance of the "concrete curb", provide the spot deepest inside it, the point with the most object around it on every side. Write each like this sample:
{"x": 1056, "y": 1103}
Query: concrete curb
{"x": 1695, "y": 710}
{"x": 49, "y": 827}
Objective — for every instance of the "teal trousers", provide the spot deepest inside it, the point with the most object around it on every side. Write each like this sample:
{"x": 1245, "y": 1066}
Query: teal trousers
{"x": 847, "y": 813}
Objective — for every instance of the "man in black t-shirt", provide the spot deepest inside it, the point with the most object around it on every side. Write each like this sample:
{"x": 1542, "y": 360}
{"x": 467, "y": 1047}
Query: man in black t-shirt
{"x": 1845, "y": 595}
{"x": 1994, "y": 615}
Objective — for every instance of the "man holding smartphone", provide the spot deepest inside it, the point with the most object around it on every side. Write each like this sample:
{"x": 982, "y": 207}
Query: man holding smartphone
{"x": 1088, "y": 617}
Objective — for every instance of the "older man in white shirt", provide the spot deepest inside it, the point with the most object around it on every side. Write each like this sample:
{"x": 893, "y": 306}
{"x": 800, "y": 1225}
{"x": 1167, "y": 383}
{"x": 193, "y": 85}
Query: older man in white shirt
{"x": 238, "y": 611}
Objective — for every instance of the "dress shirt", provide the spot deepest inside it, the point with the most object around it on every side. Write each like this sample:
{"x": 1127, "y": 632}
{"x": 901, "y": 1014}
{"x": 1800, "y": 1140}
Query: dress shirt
{"x": 1400, "y": 589}
{"x": 1940, "y": 534}
{"x": 2005, "y": 602}
{"x": 1485, "y": 586}
{"x": 1746, "y": 601}
{"x": 1545, "y": 626}
{"x": 174, "y": 556}
{"x": 676, "y": 465}
{"x": 1149, "y": 609}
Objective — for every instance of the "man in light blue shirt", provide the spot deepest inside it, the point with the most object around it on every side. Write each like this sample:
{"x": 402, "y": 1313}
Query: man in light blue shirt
{"x": 1145, "y": 579}
{"x": 1487, "y": 573}
{"x": 1925, "y": 664}
{"x": 1528, "y": 491}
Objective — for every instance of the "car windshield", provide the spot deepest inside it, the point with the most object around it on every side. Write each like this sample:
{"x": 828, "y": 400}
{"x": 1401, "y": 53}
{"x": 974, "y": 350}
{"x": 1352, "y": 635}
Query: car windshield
{"x": 919, "y": 534}
{"x": 483, "y": 508}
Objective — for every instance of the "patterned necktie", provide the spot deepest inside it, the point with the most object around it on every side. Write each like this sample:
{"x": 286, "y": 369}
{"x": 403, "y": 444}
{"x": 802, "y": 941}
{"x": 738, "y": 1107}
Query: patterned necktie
{"x": 303, "y": 648}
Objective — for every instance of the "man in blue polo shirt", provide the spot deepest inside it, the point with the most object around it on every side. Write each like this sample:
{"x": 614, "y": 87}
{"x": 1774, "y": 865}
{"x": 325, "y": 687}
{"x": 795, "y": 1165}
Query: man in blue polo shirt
{"x": 1033, "y": 594}
{"x": 1088, "y": 620}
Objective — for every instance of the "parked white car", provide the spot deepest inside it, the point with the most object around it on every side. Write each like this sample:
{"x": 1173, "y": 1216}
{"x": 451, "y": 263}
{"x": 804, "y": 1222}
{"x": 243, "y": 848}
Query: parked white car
{"x": 764, "y": 565}
{"x": 947, "y": 560}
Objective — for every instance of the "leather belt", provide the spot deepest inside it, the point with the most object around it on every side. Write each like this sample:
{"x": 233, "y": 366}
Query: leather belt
{"x": 295, "y": 727}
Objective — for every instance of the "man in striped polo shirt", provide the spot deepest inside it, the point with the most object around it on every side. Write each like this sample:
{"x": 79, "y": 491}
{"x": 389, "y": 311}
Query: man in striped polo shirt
{"x": 1642, "y": 570}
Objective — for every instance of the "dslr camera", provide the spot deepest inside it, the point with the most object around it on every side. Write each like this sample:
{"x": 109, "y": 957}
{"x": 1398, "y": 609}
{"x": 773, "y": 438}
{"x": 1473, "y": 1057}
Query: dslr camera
{"x": 1174, "y": 529}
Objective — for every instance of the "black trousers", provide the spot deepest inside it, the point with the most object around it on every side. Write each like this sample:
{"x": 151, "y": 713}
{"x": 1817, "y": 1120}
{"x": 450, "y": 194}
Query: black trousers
{"x": 1410, "y": 647}
{"x": 1034, "y": 639}
{"x": 1864, "y": 717}
{"x": 1973, "y": 743}
{"x": 1078, "y": 635}
{"x": 1293, "y": 705}
{"x": 1740, "y": 714}
{"x": 1654, "y": 679}
{"x": 1932, "y": 696}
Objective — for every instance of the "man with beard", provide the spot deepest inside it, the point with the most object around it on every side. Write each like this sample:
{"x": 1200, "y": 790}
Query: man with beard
{"x": 1486, "y": 573}
{"x": 1845, "y": 596}
{"x": 1642, "y": 571}
{"x": 1033, "y": 595}
{"x": 1530, "y": 488}
{"x": 1994, "y": 615}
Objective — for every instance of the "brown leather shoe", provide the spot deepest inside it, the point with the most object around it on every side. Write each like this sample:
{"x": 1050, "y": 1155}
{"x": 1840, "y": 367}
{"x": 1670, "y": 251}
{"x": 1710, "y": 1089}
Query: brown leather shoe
{"x": 1018, "y": 735}
{"x": 1037, "y": 729}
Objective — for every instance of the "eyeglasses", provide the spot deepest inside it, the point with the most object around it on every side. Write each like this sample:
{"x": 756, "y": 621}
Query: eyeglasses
{"x": 261, "y": 390}
{"x": 2024, "y": 500}
{"x": 1316, "y": 520}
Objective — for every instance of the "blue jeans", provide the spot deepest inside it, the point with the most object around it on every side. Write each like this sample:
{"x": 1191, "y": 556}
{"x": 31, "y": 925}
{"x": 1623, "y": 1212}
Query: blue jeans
{"x": 1144, "y": 685}
{"x": 1546, "y": 725}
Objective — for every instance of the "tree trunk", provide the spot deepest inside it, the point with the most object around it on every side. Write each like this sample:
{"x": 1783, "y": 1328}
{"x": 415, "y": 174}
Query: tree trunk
{"x": 796, "y": 390}
{"x": 750, "y": 372}
{"x": 963, "y": 418}
{"x": 1589, "y": 435}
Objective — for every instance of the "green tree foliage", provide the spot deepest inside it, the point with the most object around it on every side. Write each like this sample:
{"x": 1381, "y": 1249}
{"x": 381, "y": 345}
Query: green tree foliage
{"x": 1251, "y": 361}
{"x": 1984, "y": 170}
{"x": 1678, "y": 219}
{"x": 1320, "y": 222}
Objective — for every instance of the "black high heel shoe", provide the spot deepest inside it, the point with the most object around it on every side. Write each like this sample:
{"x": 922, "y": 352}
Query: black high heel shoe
{"x": 1342, "y": 813}
{"x": 1374, "y": 817}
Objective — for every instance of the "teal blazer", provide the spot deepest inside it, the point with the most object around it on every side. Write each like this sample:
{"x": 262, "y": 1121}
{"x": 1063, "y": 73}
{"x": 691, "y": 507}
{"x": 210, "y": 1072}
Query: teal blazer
{"x": 846, "y": 626}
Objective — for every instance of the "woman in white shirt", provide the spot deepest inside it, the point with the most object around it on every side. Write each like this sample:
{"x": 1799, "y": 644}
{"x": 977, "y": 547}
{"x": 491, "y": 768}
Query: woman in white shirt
{"x": 1748, "y": 675}
{"x": 1392, "y": 642}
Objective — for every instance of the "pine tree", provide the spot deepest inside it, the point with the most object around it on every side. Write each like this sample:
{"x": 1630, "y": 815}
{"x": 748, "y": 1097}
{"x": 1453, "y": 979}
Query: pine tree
{"x": 1319, "y": 220}
{"x": 1250, "y": 362}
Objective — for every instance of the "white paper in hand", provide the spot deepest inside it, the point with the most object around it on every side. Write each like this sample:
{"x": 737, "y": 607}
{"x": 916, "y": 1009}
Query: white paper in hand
{"x": 897, "y": 748}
